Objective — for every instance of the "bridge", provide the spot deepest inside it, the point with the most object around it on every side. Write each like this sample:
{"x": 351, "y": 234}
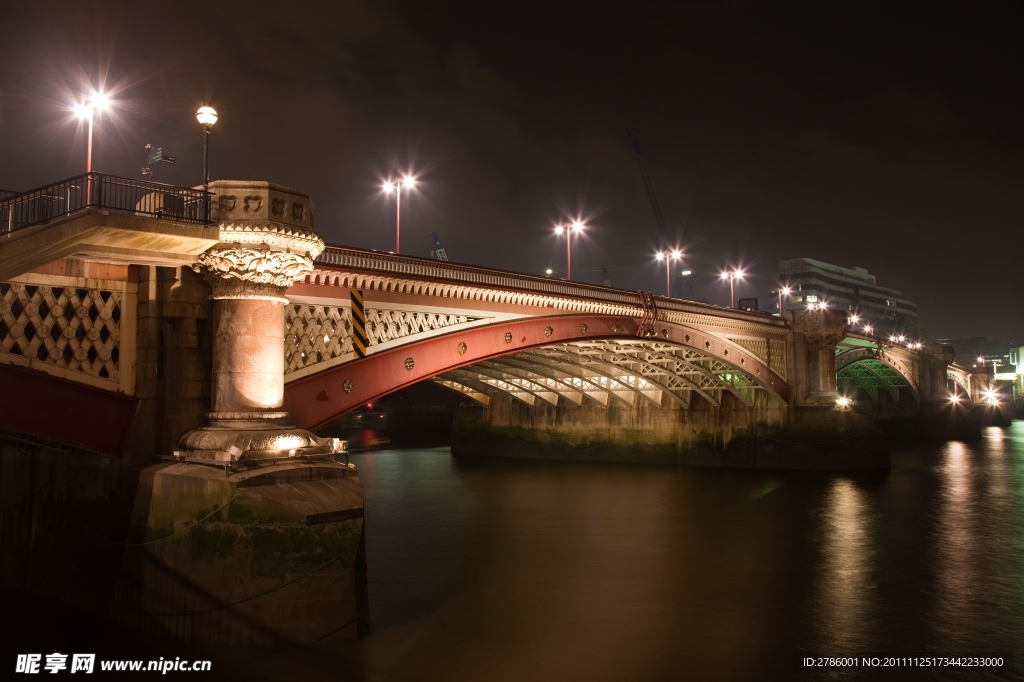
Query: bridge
{"x": 218, "y": 331}
{"x": 360, "y": 324}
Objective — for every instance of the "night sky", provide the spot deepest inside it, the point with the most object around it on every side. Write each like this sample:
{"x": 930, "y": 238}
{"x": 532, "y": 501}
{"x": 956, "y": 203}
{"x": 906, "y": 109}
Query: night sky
{"x": 885, "y": 139}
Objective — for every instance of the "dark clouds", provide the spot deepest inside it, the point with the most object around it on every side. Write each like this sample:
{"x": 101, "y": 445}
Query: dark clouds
{"x": 886, "y": 141}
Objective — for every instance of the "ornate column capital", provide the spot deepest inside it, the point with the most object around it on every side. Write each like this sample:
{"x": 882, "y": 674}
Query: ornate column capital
{"x": 250, "y": 272}
{"x": 264, "y": 248}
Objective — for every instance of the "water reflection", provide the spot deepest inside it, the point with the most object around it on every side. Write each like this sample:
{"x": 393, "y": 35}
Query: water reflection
{"x": 846, "y": 580}
{"x": 512, "y": 570}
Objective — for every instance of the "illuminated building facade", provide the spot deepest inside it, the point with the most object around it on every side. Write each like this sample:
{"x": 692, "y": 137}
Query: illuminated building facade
{"x": 852, "y": 289}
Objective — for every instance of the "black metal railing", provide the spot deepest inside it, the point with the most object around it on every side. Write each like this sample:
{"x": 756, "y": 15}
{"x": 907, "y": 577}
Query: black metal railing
{"x": 4, "y": 193}
{"x": 101, "y": 191}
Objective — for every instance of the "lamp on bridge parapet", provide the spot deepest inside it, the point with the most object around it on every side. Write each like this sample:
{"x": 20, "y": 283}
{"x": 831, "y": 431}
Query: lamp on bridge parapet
{"x": 577, "y": 228}
{"x": 783, "y": 291}
{"x": 408, "y": 182}
{"x": 87, "y": 111}
{"x": 206, "y": 116}
{"x": 668, "y": 257}
{"x": 732, "y": 276}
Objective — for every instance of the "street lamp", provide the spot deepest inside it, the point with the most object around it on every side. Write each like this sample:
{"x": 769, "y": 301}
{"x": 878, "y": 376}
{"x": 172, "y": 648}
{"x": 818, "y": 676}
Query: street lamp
{"x": 668, "y": 257}
{"x": 408, "y": 182}
{"x": 576, "y": 227}
{"x": 783, "y": 291}
{"x": 87, "y": 111}
{"x": 732, "y": 276}
{"x": 206, "y": 116}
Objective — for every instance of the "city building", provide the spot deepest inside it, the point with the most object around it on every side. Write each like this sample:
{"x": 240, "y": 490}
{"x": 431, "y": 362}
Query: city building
{"x": 854, "y": 289}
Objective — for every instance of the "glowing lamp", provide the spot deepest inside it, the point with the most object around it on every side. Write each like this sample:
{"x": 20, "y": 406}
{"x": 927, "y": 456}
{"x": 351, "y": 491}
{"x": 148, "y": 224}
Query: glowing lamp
{"x": 206, "y": 116}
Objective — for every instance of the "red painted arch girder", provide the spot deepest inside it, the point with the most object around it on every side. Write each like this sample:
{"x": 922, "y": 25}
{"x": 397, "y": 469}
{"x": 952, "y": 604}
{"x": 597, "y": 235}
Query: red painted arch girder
{"x": 322, "y": 397}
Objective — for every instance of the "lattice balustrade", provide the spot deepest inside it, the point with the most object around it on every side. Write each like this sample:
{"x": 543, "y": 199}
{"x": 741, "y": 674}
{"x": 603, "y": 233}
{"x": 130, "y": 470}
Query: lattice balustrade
{"x": 772, "y": 352}
{"x": 71, "y": 328}
{"x": 386, "y": 325}
{"x": 316, "y": 333}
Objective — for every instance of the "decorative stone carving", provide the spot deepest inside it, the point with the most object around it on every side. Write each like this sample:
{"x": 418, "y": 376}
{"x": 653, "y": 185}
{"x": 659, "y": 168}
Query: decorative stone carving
{"x": 253, "y": 204}
{"x": 262, "y": 267}
{"x": 228, "y": 202}
{"x": 278, "y": 207}
{"x": 298, "y": 211}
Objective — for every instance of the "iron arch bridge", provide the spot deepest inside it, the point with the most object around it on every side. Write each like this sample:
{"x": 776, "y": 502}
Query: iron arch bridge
{"x": 863, "y": 363}
{"x": 508, "y": 337}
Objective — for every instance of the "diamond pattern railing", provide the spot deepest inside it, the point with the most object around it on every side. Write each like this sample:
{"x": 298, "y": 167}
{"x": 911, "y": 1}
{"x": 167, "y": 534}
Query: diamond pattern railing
{"x": 67, "y": 327}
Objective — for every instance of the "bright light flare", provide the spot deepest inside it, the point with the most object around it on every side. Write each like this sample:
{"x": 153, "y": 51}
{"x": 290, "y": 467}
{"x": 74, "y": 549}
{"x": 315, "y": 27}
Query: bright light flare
{"x": 677, "y": 254}
{"x": 577, "y": 226}
{"x": 408, "y": 182}
{"x": 854, "y": 319}
{"x": 867, "y": 329}
{"x": 843, "y": 402}
{"x": 389, "y": 187}
{"x": 954, "y": 398}
{"x": 559, "y": 229}
{"x": 659, "y": 256}
{"x": 786, "y": 291}
{"x": 206, "y": 115}
{"x": 101, "y": 101}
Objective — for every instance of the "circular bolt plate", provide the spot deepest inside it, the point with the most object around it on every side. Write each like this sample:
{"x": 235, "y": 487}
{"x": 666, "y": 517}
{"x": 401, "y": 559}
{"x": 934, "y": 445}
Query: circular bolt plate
{"x": 348, "y": 385}
{"x": 409, "y": 363}
{"x": 462, "y": 348}
{"x": 548, "y": 331}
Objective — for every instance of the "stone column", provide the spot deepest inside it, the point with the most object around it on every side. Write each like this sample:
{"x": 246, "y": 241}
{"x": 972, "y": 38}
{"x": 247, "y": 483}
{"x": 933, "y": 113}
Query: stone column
{"x": 267, "y": 242}
{"x": 820, "y": 332}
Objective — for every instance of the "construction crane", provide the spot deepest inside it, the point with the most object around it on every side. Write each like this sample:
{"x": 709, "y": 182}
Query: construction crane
{"x": 645, "y": 173}
{"x": 438, "y": 253}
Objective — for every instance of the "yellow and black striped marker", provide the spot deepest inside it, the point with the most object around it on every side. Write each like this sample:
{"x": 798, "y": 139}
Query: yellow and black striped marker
{"x": 358, "y": 323}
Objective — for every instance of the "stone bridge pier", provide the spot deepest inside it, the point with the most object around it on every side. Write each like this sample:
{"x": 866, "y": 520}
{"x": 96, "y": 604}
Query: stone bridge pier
{"x": 268, "y": 500}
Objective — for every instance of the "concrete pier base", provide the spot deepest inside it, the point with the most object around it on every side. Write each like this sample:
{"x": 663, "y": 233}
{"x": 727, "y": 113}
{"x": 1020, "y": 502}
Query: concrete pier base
{"x": 263, "y": 558}
{"x": 254, "y": 559}
{"x": 822, "y": 439}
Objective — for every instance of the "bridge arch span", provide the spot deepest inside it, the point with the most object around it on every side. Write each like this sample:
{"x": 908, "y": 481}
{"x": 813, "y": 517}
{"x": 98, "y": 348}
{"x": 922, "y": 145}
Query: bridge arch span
{"x": 545, "y": 358}
{"x": 872, "y": 369}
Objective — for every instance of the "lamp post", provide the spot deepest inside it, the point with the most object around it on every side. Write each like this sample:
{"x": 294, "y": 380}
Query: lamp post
{"x": 783, "y": 291}
{"x": 206, "y": 116}
{"x": 576, "y": 227}
{"x": 408, "y": 182}
{"x": 668, "y": 257}
{"x": 732, "y": 276}
{"x": 87, "y": 111}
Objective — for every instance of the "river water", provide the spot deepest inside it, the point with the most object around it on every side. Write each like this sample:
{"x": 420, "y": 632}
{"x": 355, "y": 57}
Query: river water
{"x": 511, "y": 570}
{"x": 502, "y": 570}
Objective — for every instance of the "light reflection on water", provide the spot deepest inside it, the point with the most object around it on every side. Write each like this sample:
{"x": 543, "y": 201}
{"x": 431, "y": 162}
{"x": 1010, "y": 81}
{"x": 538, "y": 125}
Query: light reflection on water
{"x": 514, "y": 570}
